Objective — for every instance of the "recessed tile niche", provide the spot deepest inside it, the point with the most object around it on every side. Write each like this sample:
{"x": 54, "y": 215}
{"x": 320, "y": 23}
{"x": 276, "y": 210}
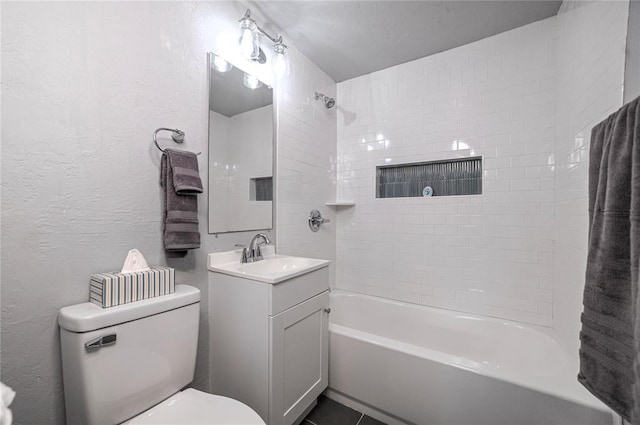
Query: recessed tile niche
{"x": 460, "y": 176}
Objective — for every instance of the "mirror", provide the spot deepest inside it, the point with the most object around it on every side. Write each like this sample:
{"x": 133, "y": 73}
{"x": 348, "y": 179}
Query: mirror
{"x": 241, "y": 123}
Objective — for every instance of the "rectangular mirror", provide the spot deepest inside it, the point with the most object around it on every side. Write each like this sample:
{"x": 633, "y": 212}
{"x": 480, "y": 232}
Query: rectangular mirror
{"x": 241, "y": 138}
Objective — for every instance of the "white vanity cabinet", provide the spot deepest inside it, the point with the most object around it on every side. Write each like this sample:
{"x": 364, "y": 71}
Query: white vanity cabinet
{"x": 299, "y": 340}
{"x": 269, "y": 342}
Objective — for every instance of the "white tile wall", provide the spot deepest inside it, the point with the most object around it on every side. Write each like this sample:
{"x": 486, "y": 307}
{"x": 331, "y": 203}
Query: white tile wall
{"x": 219, "y": 127}
{"x": 590, "y": 74}
{"x": 490, "y": 254}
{"x": 306, "y": 166}
{"x": 244, "y": 145}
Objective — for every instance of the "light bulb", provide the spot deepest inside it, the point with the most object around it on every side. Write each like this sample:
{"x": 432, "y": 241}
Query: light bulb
{"x": 251, "y": 82}
{"x": 248, "y": 45}
{"x": 220, "y": 64}
{"x": 281, "y": 65}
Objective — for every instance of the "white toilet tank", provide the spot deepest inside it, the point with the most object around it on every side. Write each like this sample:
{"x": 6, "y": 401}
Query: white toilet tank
{"x": 118, "y": 362}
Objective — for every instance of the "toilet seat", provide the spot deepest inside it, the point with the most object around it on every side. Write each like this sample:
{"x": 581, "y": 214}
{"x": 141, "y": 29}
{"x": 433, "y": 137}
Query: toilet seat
{"x": 191, "y": 407}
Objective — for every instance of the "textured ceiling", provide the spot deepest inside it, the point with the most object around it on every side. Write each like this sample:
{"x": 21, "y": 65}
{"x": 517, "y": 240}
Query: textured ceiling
{"x": 348, "y": 39}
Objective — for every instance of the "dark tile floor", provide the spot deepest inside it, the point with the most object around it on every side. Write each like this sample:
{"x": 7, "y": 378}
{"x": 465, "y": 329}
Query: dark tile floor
{"x": 329, "y": 412}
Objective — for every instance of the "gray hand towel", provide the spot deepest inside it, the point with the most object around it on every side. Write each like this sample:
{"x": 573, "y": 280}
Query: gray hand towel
{"x": 184, "y": 167}
{"x": 610, "y": 335}
{"x": 181, "y": 181}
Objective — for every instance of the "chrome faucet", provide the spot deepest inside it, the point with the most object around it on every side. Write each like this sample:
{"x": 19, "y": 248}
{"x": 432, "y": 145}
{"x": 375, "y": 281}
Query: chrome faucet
{"x": 253, "y": 252}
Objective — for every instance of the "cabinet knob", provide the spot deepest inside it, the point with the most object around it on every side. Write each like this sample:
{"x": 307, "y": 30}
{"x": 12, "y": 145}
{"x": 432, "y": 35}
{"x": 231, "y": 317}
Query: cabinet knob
{"x": 327, "y": 310}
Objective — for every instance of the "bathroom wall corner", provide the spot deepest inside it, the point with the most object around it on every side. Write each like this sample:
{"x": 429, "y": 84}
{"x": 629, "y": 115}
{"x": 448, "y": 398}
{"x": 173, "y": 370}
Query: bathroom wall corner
{"x": 590, "y": 73}
{"x": 306, "y": 161}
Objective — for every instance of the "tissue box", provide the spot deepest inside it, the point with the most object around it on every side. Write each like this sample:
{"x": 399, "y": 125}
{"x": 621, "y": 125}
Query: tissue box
{"x": 111, "y": 289}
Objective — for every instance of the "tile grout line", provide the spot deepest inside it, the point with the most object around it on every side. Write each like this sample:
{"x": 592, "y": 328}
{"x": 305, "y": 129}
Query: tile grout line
{"x": 359, "y": 420}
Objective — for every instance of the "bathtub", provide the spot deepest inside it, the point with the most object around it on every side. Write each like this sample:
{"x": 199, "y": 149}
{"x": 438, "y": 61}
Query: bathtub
{"x": 405, "y": 363}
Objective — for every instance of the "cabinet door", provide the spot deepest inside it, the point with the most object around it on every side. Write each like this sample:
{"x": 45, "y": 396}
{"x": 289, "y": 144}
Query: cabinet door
{"x": 299, "y": 358}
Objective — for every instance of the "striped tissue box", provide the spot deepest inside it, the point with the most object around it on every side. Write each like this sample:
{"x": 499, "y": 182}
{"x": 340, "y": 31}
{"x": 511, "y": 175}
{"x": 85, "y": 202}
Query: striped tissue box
{"x": 111, "y": 289}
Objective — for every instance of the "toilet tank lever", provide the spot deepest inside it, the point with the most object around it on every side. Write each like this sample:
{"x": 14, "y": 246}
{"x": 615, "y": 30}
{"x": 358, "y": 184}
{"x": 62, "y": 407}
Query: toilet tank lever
{"x": 96, "y": 344}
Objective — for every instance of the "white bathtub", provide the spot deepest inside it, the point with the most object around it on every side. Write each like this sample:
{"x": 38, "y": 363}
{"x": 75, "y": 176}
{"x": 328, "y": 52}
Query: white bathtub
{"x": 408, "y": 363}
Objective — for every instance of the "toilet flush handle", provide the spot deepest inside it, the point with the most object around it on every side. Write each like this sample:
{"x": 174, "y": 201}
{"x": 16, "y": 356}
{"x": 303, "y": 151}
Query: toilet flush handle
{"x": 96, "y": 344}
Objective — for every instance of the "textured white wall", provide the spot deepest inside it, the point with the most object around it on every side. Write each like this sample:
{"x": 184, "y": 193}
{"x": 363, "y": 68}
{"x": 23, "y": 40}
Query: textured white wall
{"x": 590, "y": 74}
{"x": 83, "y": 87}
{"x": 490, "y": 254}
{"x": 306, "y": 168}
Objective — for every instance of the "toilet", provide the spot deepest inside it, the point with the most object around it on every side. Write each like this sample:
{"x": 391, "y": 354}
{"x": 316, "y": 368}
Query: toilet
{"x": 129, "y": 364}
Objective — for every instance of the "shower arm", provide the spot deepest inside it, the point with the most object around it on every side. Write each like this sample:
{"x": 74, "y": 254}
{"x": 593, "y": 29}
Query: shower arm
{"x": 329, "y": 102}
{"x": 322, "y": 96}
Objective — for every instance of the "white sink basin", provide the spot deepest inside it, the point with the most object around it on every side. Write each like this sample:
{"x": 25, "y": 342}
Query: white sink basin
{"x": 272, "y": 269}
{"x": 276, "y": 265}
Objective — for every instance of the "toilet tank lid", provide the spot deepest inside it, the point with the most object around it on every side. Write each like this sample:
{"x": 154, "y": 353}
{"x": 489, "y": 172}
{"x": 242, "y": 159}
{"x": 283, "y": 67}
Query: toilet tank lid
{"x": 87, "y": 317}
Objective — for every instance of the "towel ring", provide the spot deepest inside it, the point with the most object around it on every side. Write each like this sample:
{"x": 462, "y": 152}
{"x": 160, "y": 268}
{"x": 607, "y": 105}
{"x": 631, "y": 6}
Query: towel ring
{"x": 176, "y": 134}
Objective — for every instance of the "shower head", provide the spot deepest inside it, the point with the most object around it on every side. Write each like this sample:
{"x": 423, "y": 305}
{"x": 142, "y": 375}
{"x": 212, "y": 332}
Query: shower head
{"x": 329, "y": 102}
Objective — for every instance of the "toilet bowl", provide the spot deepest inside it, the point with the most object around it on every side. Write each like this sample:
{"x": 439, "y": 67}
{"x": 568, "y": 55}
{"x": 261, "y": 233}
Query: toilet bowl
{"x": 191, "y": 407}
{"x": 128, "y": 364}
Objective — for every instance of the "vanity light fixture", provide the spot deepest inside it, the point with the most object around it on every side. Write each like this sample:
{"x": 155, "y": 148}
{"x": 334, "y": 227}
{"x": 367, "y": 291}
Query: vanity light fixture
{"x": 250, "y": 44}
